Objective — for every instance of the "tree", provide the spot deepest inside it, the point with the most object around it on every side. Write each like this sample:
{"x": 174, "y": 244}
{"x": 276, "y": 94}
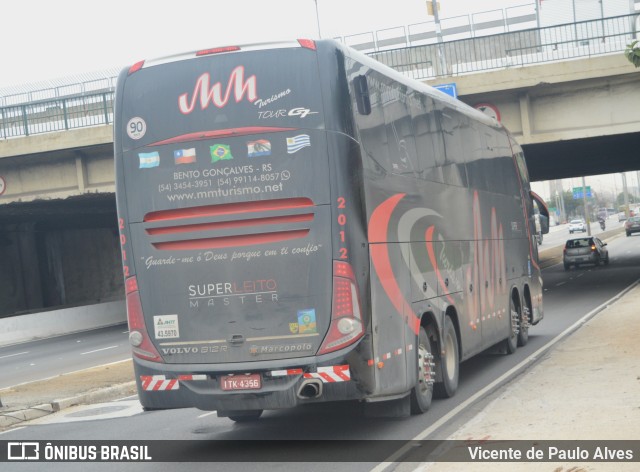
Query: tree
{"x": 620, "y": 199}
{"x": 632, "y": 53}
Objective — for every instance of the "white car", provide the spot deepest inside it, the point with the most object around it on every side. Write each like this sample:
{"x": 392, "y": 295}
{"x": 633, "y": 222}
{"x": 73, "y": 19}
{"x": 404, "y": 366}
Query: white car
{"x": 577, "y": 225}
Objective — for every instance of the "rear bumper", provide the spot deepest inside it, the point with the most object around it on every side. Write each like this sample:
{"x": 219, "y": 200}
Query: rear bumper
{"x": 160, "y": 388}
{"x": 583, "y": 259}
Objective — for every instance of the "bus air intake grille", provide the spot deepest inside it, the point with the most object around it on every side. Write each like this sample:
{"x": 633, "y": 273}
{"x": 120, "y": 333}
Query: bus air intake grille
{"x": 230, "y": 225}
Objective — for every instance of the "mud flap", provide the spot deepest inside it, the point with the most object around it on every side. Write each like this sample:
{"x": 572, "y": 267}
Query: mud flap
{"x": 397, "y": 408}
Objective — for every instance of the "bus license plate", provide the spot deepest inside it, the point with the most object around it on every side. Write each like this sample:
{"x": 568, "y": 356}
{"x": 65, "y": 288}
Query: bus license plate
{"x": 241, "y": 382}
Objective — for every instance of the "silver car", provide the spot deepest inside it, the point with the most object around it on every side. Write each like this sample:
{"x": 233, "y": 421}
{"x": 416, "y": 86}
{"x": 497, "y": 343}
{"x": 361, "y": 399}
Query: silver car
{"x": 577, "y": 225}
{"x": 584, "y": 251}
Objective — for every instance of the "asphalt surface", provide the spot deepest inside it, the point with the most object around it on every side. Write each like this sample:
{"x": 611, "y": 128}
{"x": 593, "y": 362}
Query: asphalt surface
{"x": 47, "y": 358}
{"x": 568, "y": 297}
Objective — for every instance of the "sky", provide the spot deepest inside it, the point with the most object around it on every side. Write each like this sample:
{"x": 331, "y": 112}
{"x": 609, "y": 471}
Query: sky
{"x": 50, "y": 39}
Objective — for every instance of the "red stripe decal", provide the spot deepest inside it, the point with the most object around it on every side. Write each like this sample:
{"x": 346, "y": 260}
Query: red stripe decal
{"x": 229, "y": 209}
{"x": 273, "y": 220}
{"x": 232, "y": 241}
{"x": 378, "y": 229}
{"x": 339, "y": 371}
{"x": 172, "y": 382}
{"x": 146, "y": 380}
{"x": 157, "y": 385}
{"x": 220, "y": 133}
{"x": 326, "y": 376}
{"x": 434, "y": 263}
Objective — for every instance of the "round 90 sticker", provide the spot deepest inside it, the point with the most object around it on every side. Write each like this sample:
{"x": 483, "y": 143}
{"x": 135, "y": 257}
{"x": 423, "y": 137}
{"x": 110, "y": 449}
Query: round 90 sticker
{"x": 3, "y": 185}
{"x": 136, "y": 128}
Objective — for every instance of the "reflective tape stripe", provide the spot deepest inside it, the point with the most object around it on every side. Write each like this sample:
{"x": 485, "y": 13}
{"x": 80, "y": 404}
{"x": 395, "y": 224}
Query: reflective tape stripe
{"x": 282, "y": 373}
{"x": 155, "y": 383}
{"x": 192, "y": 377}
{"x": 330, "y": 374}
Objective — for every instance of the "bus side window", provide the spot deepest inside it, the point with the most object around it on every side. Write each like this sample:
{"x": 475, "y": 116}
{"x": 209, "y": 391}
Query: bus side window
{"x": 361, "y": 89}
{"x": 373, "y": 137}
{"x": 499, "y": 174}
{"x": 459, "y": 140}
{"x": 428, "y": 137}
{"x": 402, "y": 146}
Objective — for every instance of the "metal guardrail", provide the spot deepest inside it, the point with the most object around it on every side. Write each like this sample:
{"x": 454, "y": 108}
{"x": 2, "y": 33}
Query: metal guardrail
{"x": 83, "y": 84}
{"x": 457, "y": 27}
{"x": 62, "y": 114}
{"x": 519, "y": 48}
{"x": 513, "y": 49}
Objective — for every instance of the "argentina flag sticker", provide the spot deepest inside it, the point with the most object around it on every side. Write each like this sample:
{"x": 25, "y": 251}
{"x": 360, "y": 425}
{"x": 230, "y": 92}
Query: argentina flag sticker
{"x": 149, "y": 159}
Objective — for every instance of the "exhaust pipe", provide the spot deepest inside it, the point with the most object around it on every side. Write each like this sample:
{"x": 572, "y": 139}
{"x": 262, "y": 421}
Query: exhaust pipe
{"x": 310, "y": 388}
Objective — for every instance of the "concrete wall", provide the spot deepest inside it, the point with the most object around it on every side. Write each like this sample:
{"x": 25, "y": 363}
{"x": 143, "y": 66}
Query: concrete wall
{"x": 559, "y": 101}
{"x": 47, "y": 324}
{"x": 45, "y": 267}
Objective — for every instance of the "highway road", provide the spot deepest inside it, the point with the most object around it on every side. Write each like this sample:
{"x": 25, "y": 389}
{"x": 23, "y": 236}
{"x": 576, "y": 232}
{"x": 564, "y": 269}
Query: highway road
{"x": 559, "y": 234}
{"x": 46, "y": 358}
{"x": 568, "y": 297}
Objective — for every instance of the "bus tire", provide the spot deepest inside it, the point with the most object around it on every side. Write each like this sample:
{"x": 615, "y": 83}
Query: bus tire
{"x": 422, "y": 392}
{"x": 246, "y": 416}
{"x": 448, "y": 362}
{"x": 523, "y": 331}
{"x": 511, "y": 343}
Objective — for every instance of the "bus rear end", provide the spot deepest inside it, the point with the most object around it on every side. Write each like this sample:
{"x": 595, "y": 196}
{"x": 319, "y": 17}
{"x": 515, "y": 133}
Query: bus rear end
{"x": 235, "y": 299}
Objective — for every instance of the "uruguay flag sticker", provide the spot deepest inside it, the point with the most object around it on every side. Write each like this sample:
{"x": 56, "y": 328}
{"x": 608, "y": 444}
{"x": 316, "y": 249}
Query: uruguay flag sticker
{"x": 296, "y": 143}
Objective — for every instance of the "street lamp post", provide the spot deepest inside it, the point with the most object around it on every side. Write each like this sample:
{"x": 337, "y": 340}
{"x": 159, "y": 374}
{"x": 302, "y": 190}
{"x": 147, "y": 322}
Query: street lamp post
{"x": 586, "y": 210}
{"x": 317, "y": 19}
{"x": 436, "y": 19}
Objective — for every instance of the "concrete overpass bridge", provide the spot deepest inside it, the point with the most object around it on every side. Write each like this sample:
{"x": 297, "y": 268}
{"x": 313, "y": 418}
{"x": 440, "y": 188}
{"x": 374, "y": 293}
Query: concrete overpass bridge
{"x": 58, "y": 229}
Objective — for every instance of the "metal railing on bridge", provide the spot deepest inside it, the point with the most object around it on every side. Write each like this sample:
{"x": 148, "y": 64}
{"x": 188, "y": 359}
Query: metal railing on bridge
{"x": 518, "y": 48}
{"x": 61, "y": 114}
{"x": 511, "y": 49}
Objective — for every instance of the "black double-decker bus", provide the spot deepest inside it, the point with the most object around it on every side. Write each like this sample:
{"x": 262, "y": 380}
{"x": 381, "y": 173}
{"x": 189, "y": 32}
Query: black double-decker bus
{"x": 300, "y": 224}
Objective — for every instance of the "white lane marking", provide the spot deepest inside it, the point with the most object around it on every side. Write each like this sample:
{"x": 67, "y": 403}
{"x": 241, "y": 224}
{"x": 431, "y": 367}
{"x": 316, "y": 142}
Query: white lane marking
{"x": 207, "y": 414}
{"x": 560, "y": 283}
{"x": 128, "y": 359}
{"x": 16, "y": 354}
{"x": 130, "y": 397}
{"x": 98, "y": 350}
{"x": 493, "y": 385}
{"x": 12, "y": 430}
{"x": 96, "y": 411}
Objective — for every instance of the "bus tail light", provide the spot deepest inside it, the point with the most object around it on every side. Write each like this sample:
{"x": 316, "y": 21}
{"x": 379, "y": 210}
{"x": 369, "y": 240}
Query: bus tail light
{"x": 307, "y": 43}
{"x": 593, "y": 247}
{"x": 206, "y": 52}
{"x": 141, "y": 345}
{"x": 346, "y": 318}
{"x": 136, "y": 67}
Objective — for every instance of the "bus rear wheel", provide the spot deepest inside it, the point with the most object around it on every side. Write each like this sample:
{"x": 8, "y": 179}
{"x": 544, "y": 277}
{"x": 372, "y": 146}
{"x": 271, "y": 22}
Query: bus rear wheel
{"x": 523, "y": 332}
{"x": 448, "y": 362}
{"x": 511, "y": 343}
{"x": 422, "y": 393}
